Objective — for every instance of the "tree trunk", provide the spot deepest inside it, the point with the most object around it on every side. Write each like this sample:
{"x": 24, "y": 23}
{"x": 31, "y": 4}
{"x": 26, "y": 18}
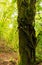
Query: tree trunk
{"x": 27, "y": 38}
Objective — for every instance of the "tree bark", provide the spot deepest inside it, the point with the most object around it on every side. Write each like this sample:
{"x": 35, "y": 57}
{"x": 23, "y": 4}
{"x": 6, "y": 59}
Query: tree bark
{"x": 27, "y": 38}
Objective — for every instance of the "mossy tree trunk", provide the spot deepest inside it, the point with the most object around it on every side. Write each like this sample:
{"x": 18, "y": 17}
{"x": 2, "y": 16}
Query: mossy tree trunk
{"x": 27, "y": 38}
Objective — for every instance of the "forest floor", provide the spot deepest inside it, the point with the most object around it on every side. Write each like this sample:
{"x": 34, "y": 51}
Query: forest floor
{"x": 8, "y": 58}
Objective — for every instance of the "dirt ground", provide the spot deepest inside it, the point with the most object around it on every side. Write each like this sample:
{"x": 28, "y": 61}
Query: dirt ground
{"x": 8, "y": 58}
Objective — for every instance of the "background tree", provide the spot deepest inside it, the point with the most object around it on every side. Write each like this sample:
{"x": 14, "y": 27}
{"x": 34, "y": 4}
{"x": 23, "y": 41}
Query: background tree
{"x": 27, "y": 38}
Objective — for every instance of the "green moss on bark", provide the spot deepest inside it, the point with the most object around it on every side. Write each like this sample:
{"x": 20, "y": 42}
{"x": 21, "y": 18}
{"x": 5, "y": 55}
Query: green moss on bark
{"x": 27, "y": 39}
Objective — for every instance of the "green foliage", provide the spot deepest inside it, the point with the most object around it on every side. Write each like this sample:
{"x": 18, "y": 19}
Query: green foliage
{"x": 39, "y": 47}
{"x": 38, "y": 28}
{"x": 8, "y": 22}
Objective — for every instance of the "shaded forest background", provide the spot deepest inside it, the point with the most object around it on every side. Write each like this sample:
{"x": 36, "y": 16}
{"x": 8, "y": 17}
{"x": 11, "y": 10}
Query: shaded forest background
{"x": 8, "y": 26}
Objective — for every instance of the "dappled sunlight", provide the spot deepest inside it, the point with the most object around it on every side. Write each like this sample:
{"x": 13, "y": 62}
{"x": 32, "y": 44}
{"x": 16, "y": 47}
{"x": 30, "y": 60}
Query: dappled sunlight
{"x": 10, "y": 1}
{"x": 14, "y": 14}
{"x": 2, "y": 0}
{"x": 0, "y": 9}
{"x": 40, "y": 4}
{"x": 11, "y": 26}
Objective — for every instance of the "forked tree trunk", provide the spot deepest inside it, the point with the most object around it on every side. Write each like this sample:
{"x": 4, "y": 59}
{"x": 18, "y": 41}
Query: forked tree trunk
{"x": 27, "y": 39}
